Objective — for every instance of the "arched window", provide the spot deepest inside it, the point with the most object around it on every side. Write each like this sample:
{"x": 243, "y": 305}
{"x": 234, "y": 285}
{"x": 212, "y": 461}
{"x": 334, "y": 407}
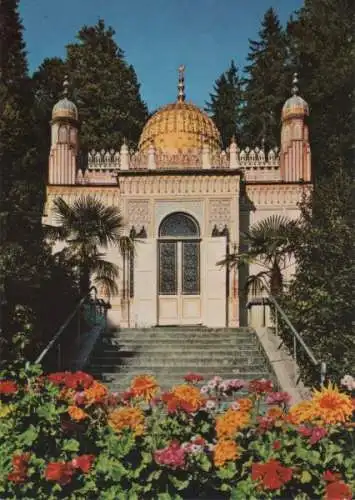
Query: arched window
{"x": 179, "y": 255}
{"x": 178, "y": 225}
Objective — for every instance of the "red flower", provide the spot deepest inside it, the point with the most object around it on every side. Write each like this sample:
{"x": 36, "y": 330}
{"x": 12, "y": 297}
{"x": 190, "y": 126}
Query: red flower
{"x": 59, "y": 471}
{"x": 20, "y": 468}
{"x": 276, "y": 444}
{"x": 260, "y": 386}
{"x": 83, "y": 462}
{"x": 272, "y": 474}
{"x": 199, "y": 441}
{"x": 193, "y": 377}
{"x": 79, "y": 380}
{"x": 330, "y": 476}
{"x": 8, "y": 387}
{"x": 172, "y": 456}
{"x": 338, "y": 490}
{"x": 57, "y": 378}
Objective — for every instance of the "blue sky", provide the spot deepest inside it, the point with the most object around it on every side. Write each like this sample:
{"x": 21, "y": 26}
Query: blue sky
{"x": 157, "y": 36}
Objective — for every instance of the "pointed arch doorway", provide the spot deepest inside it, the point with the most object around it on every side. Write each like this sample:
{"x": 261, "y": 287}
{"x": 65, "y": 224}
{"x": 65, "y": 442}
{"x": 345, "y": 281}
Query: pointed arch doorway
{"x": 179, "y": 270}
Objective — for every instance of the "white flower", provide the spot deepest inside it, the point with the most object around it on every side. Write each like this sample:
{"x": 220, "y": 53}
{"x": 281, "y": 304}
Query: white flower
{"x": 349, "y": 382}
{"x": 204, "y": 389}
{"x": 210, "y": 404}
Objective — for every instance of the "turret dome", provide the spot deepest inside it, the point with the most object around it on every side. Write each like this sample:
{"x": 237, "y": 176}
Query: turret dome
{"x": 65, "y": 108}
{"x": 295, "y": 106}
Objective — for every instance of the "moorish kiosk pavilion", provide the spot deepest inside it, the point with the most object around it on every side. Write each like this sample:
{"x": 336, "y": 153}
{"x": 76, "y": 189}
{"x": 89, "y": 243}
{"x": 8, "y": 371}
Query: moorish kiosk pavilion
{"x": 185, "y": 201}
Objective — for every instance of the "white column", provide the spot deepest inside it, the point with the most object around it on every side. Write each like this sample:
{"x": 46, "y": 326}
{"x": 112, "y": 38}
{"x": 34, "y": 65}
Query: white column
{"x": 151, "y": 158}
{"x": 206, "y": 160}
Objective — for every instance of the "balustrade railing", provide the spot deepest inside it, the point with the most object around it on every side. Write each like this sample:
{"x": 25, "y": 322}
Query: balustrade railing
{"x": 298, "y": 343}
{"x": 59, "y": 352}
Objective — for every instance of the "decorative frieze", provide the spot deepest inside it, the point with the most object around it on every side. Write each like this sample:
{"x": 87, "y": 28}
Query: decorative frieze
{"x": 275, "y": 194}
{"x": 138, "y": 212}
{"x": 178, "y": 185}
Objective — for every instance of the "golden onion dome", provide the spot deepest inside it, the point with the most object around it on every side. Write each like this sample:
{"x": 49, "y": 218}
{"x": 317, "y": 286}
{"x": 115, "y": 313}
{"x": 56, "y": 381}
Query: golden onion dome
{"x": 65, "y": 108}
{"x": 179, "y": 127}
{"x": 295, "y": 106}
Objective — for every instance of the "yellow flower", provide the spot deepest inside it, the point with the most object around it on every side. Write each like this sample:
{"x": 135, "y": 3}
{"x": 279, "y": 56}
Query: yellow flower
{"x": 5, "y": 410}
{"x": 77, "y": 413}
{"x": 127, "y": 418}
{"x": 225, "y": 450}
{"x": 232, "y": 421}
{"x": 144, "y": 386}
{"x": 330, "y": 406}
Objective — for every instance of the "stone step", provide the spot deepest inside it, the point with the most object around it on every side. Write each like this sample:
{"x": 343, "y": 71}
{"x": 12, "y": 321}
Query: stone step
{"x": 180, "y": 372}
{"x": 228, "y": 343}
{"x": 114, "y": 357}
{"x": 186, "y": 365}
{"x": 181, "y": 336}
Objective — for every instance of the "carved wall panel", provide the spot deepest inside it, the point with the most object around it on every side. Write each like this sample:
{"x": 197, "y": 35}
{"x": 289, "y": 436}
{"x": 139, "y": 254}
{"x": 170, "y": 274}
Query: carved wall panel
{"x": 219, "y": 213}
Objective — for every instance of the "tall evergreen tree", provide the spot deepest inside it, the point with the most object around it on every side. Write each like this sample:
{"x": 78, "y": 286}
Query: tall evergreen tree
{"x": 267, "y": 83}
{"x": 323, "y": 48}
{"x": 225, "y": 104}
{"x": 105, "y": 88}
{"x": 22, "y": 253}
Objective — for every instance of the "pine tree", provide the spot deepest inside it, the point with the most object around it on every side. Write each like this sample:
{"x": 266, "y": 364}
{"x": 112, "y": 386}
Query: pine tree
{"x": 323, "y": 48}
{"x": 225, "y": 104}
{"x": 267, "y": 83}
{"x": 106, "y": 90}
{"x": 21, "y": 251}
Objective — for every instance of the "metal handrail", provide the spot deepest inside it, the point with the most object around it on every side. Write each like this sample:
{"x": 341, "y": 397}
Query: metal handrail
{"x": 296, "y": 337}
{"x": 66, "y": 323}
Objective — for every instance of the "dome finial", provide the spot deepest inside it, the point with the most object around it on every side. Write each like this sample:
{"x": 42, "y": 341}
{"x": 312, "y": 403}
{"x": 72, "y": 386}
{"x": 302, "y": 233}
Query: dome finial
{"x": 295, "y": 88}
{"x": 66, "y": 86}
{"x": 181, "y": 84}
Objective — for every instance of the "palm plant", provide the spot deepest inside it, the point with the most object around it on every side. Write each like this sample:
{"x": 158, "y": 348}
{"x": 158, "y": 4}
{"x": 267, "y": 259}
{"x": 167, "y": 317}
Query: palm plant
{"x": 270, "y": 244}
{"x": 86, "y": 227}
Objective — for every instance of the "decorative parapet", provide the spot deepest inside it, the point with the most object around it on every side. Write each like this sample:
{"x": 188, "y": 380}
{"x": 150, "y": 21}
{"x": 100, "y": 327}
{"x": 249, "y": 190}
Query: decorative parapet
{"x": 255, "y": 164}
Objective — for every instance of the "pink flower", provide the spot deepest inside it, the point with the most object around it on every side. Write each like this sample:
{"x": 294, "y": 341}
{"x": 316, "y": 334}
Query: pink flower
{"x": 278, "y": 398}
{"x": 79, "y": 398}
{"x": 314, "y": 434}
{"x": 172, "y": 456}
{"x": 318, "y": 433}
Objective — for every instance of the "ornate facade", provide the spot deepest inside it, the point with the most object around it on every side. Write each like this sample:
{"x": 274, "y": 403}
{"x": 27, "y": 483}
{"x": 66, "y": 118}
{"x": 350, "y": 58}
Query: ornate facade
{"x": 185, "y": 202}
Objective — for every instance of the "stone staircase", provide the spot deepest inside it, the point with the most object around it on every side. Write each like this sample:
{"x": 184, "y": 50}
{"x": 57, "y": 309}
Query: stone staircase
{"x": 169, "y": 353}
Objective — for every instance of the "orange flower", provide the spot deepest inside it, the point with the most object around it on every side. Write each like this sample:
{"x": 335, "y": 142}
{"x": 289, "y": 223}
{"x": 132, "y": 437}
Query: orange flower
{"x": 245, "y": 404}
{"x": 188, "y": 397}
{"x": 275, "y": 412}
{"x": 225, "y": 450}
{"x": 96, "y": 393}
{"x": 301, "y": 412}
{"x": 77, "y": 413}
{"x": 231, "y": 422}
{"x": 327, "y": 406}
{"x": 331, "y": 406}
{"x": 144, "y": 386}
{"x": 127, "y": 418}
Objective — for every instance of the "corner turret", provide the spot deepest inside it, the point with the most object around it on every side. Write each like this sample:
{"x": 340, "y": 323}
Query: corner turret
{"x": 64, "y": 140}
{"x": 295, "y": 155}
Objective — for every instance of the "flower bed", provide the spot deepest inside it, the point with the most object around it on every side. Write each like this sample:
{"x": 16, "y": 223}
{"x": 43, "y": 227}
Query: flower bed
{"x": 66, "y": 436}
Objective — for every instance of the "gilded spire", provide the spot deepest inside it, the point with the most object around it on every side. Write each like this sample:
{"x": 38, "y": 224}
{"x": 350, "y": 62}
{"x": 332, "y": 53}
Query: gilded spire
{"x": 66, "y": 86}
{"x": 181, "y": 84}
{"x": 295, "y": 88}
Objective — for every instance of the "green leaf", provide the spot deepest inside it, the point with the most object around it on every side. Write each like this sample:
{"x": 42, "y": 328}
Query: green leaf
{"x": 179, "y": 485}
{"x": 71, "y": 445}
{"x": 306, "y": 477}
{"x": 28, "y": 437}
{"x": 205, "y": 464}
